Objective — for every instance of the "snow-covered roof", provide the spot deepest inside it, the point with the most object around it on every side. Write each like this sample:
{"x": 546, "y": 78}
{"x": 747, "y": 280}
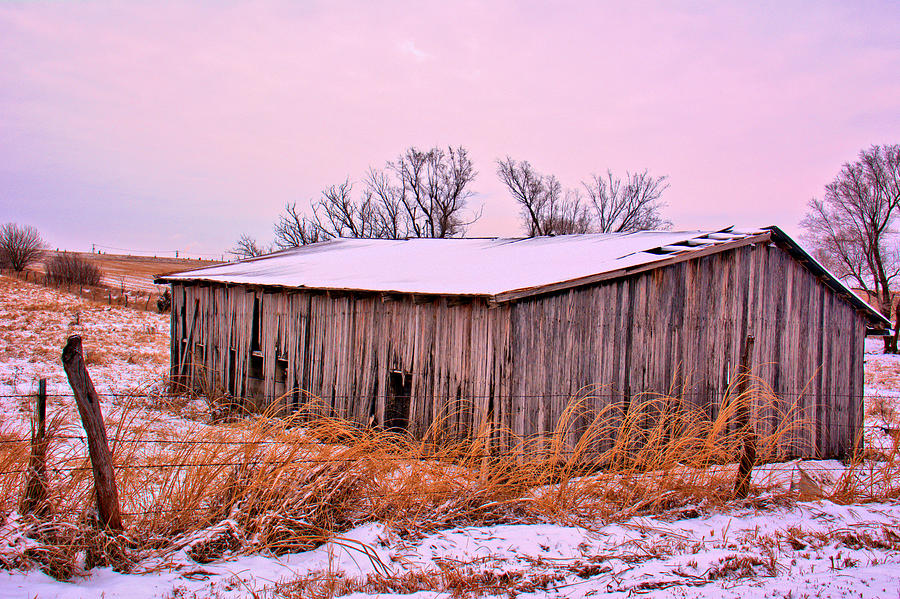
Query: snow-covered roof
{"x": 497, "y": 268}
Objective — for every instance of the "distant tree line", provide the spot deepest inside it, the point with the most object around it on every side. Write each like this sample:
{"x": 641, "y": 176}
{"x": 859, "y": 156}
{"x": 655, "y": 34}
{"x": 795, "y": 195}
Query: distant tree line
{"x": 426, "y": 193}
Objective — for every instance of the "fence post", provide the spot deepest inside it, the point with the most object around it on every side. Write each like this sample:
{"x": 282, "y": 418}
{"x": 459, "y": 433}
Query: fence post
{"x": 35, "y": 498}
{"x": 98, "y": 446}
{"x": 748, "y": 458}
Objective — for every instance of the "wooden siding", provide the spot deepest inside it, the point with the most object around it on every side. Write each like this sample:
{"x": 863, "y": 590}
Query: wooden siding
{"x": 674, "y": 330}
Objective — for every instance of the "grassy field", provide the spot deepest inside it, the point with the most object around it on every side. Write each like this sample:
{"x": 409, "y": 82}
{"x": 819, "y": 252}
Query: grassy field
{"x": 135, "y": 273}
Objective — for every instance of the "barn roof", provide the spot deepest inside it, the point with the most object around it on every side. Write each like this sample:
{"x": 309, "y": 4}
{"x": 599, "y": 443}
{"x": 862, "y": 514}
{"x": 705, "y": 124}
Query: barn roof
{"x": 500, "y": 269}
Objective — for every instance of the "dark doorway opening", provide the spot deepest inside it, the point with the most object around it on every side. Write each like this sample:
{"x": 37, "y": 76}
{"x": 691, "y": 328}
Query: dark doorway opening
{"x": 396, "y": 404}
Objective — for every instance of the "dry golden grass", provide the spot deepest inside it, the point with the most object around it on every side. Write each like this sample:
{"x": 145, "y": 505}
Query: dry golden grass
{"x": 884, "y": 410}
{"x": 456, "y": 580}
{"x": 144, "y": 266}
{"x": 283, "y": 485}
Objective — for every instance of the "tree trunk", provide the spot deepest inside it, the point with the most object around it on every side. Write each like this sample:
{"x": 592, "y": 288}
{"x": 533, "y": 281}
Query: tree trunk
{"x": 885, "y": 303}
{"x": 896, "y": 329}
{"x": 101, "y": 458}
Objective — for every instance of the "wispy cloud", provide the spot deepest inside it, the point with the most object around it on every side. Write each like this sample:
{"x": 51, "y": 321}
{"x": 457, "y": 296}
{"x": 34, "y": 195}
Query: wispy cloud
{"x": 409, "y": 47}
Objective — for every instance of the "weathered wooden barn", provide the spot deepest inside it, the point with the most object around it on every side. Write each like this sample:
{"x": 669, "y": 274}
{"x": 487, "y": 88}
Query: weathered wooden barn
{"x": 504, "y": 332}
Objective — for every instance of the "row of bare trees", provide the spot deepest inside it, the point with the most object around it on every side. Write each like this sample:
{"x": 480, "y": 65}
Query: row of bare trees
{"x": 425, "y": 193}
{"x": 604, "y": 203}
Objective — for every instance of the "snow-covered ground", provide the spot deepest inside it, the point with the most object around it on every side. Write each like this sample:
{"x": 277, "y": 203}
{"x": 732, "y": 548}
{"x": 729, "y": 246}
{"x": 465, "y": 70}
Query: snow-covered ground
{"x": 810, "y": 549}
{"x": 769, "y": 547}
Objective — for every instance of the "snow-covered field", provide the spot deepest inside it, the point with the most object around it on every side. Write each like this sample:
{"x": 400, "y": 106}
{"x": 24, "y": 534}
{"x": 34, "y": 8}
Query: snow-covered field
{"x": 124, "y": 348}
{"x": 773, "y": 545}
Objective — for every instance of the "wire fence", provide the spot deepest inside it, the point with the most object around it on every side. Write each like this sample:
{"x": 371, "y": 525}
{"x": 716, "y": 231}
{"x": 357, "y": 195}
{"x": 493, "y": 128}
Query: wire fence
{"x": 807, "y": 465}
{"x": 62, "y": 467}
{"x": 295, "y": 460}
{"x": 574, "y": 395}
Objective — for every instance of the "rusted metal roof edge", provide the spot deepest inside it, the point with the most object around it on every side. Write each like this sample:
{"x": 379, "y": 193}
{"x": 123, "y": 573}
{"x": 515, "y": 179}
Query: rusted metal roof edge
{"x": 664, "y": 260}
{"x": 200, "y": 280}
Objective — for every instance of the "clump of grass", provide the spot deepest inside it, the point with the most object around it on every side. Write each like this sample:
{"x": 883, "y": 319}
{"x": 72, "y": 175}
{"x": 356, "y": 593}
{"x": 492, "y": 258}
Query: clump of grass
{"x": 456, "y": 580}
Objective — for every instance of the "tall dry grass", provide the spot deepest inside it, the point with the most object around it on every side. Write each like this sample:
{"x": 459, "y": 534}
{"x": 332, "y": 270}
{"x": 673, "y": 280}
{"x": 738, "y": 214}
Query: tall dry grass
{"x": 286, "y": 484}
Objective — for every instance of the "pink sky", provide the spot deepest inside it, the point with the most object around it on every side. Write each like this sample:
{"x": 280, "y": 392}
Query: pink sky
{"x": 171, "y": 126}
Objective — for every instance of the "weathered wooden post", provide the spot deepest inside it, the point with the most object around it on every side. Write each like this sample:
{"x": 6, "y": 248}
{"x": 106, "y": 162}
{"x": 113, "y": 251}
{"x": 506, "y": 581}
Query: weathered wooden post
{"x": 35, "y": 499}
{"x": 98, "y": 446}
{"x": 748, "y": 458}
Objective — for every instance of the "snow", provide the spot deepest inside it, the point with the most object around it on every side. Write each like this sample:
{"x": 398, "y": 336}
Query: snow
{"x": 815, "y": 547}
{"x": 457, "y": 266}
{"x": 486, "y": 267}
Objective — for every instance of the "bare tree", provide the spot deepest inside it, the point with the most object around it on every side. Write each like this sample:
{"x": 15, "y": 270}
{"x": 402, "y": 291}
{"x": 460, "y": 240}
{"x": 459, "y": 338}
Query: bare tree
{"x": 294, "y": 229}
{"x": 248, "y": 247}
{"x": 390, "y": 212}
{"x": 432, "y": 187}
{"x": 567, "y": 214}
{"x": 852, "y": 230}
{"x": 632, "y": 204}
{"x": 528, "y": 189}
{"x": 547, "y": 208}
{"x": 337, "y": 214}
{"x": 20, "y": 246}
{"x": 613, "y": 205}
{"x": 421, "y": 194}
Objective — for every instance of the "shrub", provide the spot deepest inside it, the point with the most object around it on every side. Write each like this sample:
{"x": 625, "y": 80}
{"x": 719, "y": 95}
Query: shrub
{"x": 164, "y": 303}
{"x": 20, "y": 246}
{"x": 72, "y": 269}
